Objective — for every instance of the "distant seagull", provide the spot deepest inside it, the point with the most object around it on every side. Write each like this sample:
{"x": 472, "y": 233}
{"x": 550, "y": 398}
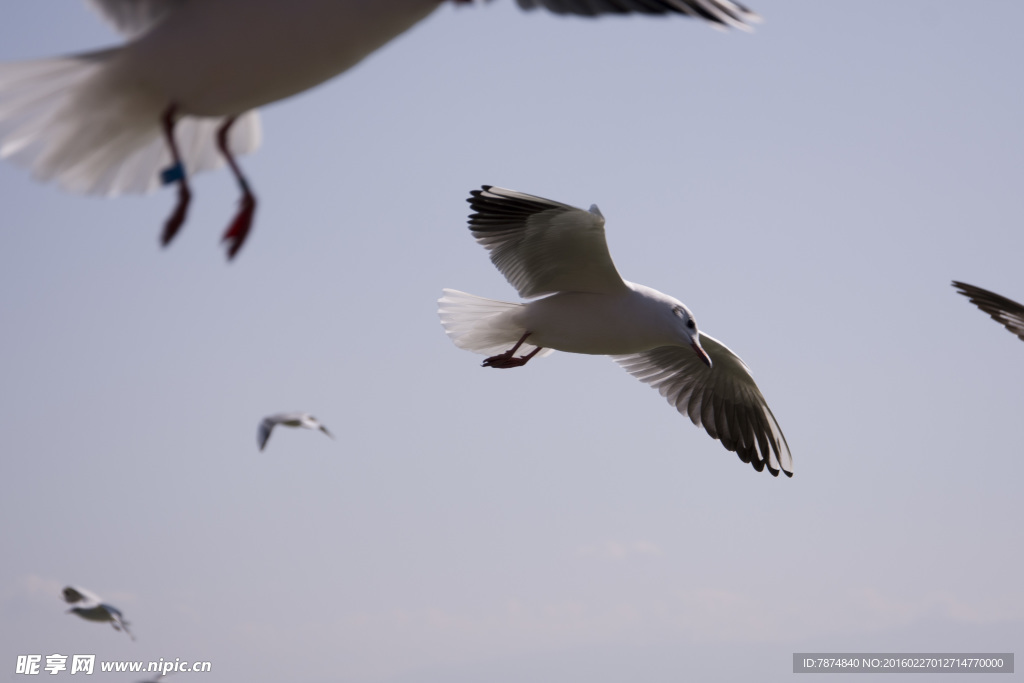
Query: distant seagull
{"x": 180, "y": 95}
{"x": 92, "y": 608}
{"x": 158, "y": 678}
{"x": 1006, "y": 312}
{"x": 304, "y": 420}
{"x": 543, "y": 247}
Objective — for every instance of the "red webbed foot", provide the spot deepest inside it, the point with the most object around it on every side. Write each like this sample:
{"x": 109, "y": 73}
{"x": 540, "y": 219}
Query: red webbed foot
{"x": 238, "y": 231}
{"x": 509, "y": 359}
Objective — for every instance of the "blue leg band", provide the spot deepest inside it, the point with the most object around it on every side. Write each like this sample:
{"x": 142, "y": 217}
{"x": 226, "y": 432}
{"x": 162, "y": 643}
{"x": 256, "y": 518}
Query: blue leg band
{"x": 172, "y": 174}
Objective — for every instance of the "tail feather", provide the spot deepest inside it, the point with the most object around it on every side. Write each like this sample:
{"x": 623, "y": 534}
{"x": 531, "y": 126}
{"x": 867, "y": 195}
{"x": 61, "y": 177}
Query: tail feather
{"x": 69, "y": 119}
{"x": 481, "y": 325}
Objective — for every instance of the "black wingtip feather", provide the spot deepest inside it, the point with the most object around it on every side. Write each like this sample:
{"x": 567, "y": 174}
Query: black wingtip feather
{"x": 1006, "y": 312}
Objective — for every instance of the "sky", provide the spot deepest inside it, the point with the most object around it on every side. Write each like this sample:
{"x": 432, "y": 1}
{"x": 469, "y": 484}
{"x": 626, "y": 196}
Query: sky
{"x": 809, "y": 190}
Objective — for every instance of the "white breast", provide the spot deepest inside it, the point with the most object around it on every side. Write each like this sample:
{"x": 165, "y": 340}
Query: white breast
{"x": 600, "y": 324}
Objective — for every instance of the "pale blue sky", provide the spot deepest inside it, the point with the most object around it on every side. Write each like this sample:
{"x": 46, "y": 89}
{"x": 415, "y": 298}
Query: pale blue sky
{"x": 809, "y": 191}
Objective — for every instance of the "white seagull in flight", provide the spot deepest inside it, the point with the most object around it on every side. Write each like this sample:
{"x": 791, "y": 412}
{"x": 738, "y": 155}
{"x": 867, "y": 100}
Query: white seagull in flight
{"x": 1006, "y": 312}
{"x": 544, "y": 247}
{"x": 90, "y": 607}
{"x": 304, "y": 420}
{"x": 180, "y": 95}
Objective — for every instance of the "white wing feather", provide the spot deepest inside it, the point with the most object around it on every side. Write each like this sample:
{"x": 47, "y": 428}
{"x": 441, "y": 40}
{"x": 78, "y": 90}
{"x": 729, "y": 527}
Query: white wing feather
{"x": 724, "y": 399}
{"x": 76, "y": 595}
{"x": 63, "y": 119}
{"x": 542, "y": 246}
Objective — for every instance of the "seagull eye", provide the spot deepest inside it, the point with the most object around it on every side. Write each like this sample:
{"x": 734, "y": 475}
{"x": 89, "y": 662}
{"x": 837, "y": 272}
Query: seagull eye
{"x": 691, "y": 324}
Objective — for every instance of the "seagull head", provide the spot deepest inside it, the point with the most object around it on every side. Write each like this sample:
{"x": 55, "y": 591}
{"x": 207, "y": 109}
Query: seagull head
{"x": 668, "y": 321}
{"x": 688, "y": 327}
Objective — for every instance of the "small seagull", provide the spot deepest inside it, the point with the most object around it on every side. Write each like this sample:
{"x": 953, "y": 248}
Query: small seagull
{"x": 543, "y": 247}
{"x": 1006, "y": 312}
{"x": 158, "y": 678}
{"x": 92, "y": 608}
{"x": 304, "y": 420}
{"x": 180, "y": 95}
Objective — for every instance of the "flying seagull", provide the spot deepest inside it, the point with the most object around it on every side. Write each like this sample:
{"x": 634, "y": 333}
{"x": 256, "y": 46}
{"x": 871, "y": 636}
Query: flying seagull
{"x": 1006, "y": 312}
{"x": 92, "y": 608}
{"x": 180, "y": 95}
{"x": 304, "y": 420}
{"x": 545, "y": 248}
{"x": 158, "y": 677}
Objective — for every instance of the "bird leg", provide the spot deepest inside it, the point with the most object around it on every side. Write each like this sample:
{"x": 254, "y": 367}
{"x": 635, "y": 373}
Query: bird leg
{"x": 239, "y": 229}
{"x": 507, "y": 360}
{"x": 175, "y": 173}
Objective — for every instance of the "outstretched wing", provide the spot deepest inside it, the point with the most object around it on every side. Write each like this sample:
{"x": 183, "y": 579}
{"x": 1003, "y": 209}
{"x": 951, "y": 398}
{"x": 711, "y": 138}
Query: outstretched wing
{"x": 721, "y": 13}
{"x": 117, "y": 620}
{"x": 264, "y": 431}
{"x": 542, "y": 246}
{"x": 1006, "y": 312}
{"x": 74, "y": 594}
{"x": 723, "y": 399}
{"x": 324, "y": 430}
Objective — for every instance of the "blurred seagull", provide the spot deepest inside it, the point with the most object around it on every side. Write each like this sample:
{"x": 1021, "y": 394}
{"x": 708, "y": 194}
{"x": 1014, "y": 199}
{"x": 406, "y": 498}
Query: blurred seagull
{"x": 288, "y": 420}
{"x": 1006, "y": 312}
{"x": 90, "y": 607}
{"x": 543, "y": 247}
{"x": 158, "y": 678}
{"x": 180, "y": 95}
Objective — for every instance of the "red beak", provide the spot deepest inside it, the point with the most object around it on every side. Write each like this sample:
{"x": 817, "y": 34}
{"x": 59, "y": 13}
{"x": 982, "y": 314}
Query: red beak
{"x": 702, "y": 353}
